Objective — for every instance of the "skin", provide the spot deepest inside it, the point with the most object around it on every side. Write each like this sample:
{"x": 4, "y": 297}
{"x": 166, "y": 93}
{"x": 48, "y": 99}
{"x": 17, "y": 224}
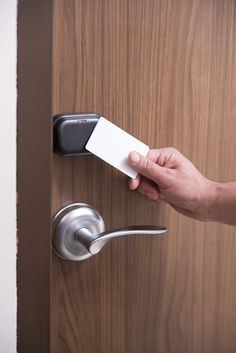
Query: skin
{"x": 166, "y": 175}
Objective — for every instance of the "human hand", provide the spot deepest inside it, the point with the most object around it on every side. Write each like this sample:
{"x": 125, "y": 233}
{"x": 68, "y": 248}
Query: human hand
{"x": 166, "y": 175}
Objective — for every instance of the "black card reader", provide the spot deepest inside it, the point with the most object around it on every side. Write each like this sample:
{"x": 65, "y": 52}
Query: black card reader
{"x": 72, "y": 131}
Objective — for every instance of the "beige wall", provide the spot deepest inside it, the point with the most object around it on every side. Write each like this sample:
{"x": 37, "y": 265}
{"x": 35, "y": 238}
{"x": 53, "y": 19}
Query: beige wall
{"x": 8, "y": 12}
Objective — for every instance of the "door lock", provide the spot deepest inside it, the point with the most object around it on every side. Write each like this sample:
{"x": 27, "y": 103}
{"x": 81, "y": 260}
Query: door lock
{"x": 79, "y": 232}
{"x": 72, "y": 131}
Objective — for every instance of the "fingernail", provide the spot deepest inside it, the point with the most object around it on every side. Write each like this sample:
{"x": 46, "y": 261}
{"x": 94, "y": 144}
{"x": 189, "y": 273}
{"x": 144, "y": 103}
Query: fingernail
{"x": 134, "y": 157}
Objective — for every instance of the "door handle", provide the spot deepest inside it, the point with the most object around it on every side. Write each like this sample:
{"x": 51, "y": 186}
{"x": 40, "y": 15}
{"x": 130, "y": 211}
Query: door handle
{"x": 79, "y": 232}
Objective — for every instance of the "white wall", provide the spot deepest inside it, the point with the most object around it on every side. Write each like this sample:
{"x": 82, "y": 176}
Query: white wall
{"x": 8, "y": 13}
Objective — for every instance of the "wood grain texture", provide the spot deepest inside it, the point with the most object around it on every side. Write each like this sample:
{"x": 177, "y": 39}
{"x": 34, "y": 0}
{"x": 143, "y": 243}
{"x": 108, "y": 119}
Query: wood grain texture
{"x": 165, "y": 71}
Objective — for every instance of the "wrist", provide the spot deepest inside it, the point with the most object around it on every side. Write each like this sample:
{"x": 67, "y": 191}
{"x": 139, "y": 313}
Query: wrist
{"x": 214, "y": 188}
{"x": 211, "y": 196}
{"x": 222, "y": 205}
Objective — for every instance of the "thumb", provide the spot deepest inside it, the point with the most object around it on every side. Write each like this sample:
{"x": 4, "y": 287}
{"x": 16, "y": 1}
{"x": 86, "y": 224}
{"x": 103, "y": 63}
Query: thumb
{"x": 148, "y": 168}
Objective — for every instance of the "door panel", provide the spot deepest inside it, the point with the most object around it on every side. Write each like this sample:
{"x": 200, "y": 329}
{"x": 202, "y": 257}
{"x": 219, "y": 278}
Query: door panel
{"x": 165, "y": 71}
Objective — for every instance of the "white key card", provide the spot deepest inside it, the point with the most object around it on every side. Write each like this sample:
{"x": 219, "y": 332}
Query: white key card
{"x": 113, "y": 145}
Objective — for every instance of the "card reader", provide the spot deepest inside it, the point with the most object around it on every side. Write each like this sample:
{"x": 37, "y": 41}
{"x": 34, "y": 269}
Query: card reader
{"x": 72, "y": 131}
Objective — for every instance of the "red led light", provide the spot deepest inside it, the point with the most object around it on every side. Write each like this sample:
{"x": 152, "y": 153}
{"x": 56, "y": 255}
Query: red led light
{"x": 82, "y": 121}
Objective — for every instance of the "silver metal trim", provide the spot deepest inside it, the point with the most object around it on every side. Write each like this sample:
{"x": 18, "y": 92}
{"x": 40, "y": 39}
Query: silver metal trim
{"x": 79, "y": 232}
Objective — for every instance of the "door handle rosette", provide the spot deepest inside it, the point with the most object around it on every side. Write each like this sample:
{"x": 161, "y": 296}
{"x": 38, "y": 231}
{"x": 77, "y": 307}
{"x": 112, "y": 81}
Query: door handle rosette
{"x": 79, "y": 232}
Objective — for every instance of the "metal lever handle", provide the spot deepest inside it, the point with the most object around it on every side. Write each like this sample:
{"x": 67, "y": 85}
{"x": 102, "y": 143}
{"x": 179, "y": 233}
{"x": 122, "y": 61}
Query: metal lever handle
{"x": 95, "y": 244}
{"x": 79, "y": 232}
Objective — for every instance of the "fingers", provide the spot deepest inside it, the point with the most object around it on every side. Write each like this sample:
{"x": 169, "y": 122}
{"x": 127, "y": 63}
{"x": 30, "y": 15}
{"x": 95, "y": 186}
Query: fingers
{"x": 134, "y": 183}
{"x": 150, "y": 190}
{"x": 168, "y": 157}
{"x": 148, "y": 168}
{"x": 146, "y": 187}
{"x": 154, "y": 155}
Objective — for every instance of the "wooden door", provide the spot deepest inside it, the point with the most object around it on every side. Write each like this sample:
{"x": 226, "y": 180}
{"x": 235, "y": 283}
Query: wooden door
{"x": 165, "y": 71}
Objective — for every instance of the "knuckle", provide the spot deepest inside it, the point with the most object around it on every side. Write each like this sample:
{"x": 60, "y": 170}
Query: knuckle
{"x": 173, "y": 150}
{"x": 148, "y": 165}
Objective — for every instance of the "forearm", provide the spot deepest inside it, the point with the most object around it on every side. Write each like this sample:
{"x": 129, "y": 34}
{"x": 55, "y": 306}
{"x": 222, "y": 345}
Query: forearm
{"x": 222, "y": 203}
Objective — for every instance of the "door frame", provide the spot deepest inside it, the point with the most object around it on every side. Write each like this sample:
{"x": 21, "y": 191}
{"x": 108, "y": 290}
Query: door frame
{"x": 34, "y": 154}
